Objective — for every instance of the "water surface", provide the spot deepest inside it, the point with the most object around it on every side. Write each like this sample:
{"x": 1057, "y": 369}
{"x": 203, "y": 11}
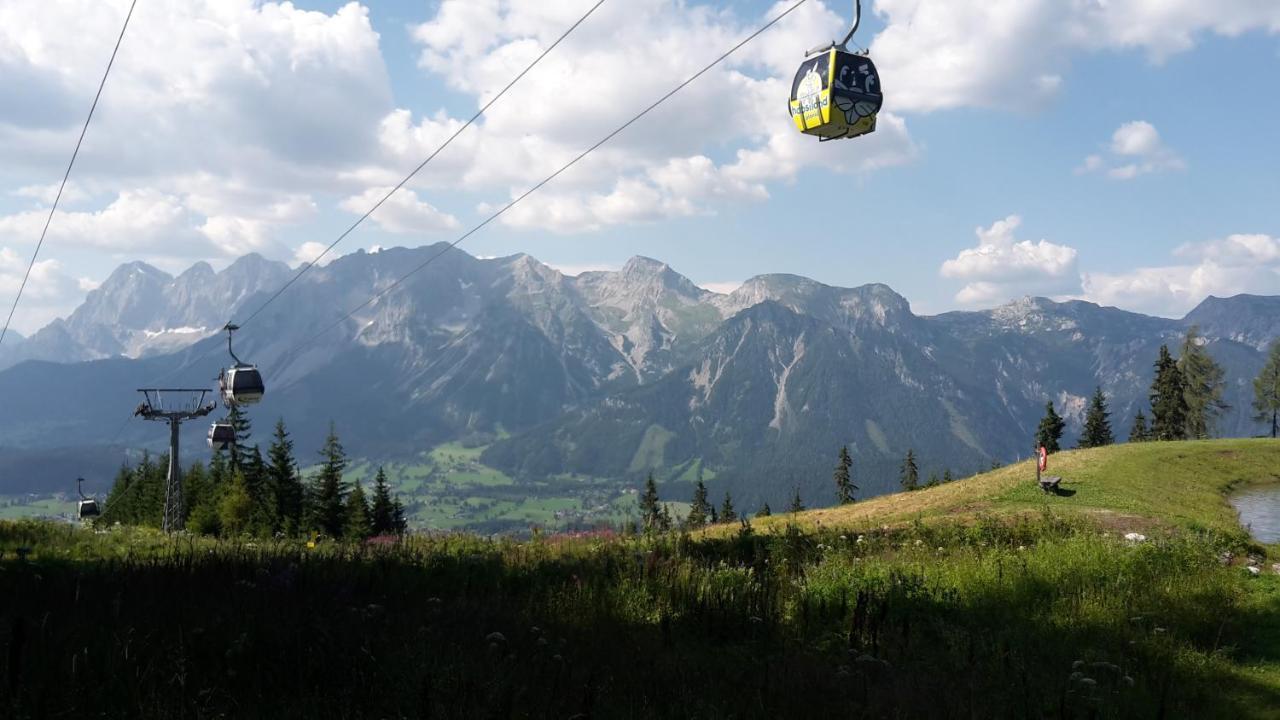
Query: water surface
{"x": 1259, "y": 510}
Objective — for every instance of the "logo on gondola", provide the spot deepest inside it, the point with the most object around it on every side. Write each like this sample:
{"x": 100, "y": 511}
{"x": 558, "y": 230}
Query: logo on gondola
{"x": 809, "y": 93}
{"x": 860, "y": 96}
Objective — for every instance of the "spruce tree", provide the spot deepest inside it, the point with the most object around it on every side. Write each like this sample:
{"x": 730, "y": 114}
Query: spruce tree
{"x": 934, "y": 480}
{"x": 1049, "y": 433}
{"x": 400, "y": 522}
{"x": 284, "y": 482}
{"x": 359, "y": 526}
{"x": 650, "y": 512}
{"x": 1203, "y": 382}
{"x": 764, "y": 511}
{"x": 796, "y": 504}
{"x": 243, "y": 428}
{"x": 118, "y": 506}
{"x": 947, "y": 476}
{"x": 664, "y": 518}
{"x": 1139, "y": 431}
{"x": 382, "y": 512}
{"x": 236, "y": 506}
{"x": 327, "y": 513}
{"x": 195, "y": 483}
{"x": 1097, "y": 425}
{"x": 1266, "y": 390}
{"x": 909, "y": 475}
{"x": 1168, "y": 400}
{"x": 843, "y": 478}
{"x": 700, "y": 509}
{"x": 263, "y": 519}
{"x": 714, "y": 518}
{"x": 727, "y": 513}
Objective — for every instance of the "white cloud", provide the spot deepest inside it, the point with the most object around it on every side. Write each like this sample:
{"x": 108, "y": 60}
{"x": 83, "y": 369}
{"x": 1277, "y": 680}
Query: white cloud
{"x": 1001, "y": 266}
{"x": 307, "y": 252}
{"x": 47, "y": 193}
{"x": 944, "y": 54}
{"x": 136, "y": 221}
{"x": 659, "y": 168}
{"x": 49, "y": 292}
{"x": 403, "y": 212}
{"x": 213, "y": 104}
{"x": 1229, "y": 266}
{"x": 574, "y": 269}
{"x": 1136, "y": 149}
{"x": 723, "y": 288}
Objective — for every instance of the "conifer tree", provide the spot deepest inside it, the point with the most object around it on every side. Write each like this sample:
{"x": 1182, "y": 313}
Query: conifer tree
{"x": 204, "y": 498}
{"x": 909, "y": 475}
{"x": 764, "y": 511}
{"x": 1139, "y": 431}
{"x": 327, "y": 513}
{"x": 243, "y": 428}
{"x": 1202, "y": 382}
{"x": 797, "y": 505}
{"x": 1097, "y": 423}
{"x": 947, "y": 476}
{"x": 1049, "y": 433}
{"x": 118, "y": 508}
{"x": 664, "y": 518}
{"x": 727, "y": 513}
{"x": 358, "y": 523}
{"x": 284, "y": 482}
{"x": 382, "y": 513}
{"x": 1168, "y": 400}
{"x": 400, "y": 522}
{"x": 263, "y": 518}
{"x": 650, "y": 512}
{"x": 700, "y": 509}
{"x": 1266, "y": 391}
{"x": 194, "y": 486}
{"x": 843, "y": 478}
{"x": 934, "y": 480}
{"x": 714, "y": 518}
{"x": 236, "y": 506}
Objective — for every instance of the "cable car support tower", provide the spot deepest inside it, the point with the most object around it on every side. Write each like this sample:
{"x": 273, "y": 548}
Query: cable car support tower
{"x": 173, "y": 405}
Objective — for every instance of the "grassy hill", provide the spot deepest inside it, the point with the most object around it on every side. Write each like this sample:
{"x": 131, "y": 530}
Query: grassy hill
{"x": 981, "y": 598}
{"x": 1135, "y": 486}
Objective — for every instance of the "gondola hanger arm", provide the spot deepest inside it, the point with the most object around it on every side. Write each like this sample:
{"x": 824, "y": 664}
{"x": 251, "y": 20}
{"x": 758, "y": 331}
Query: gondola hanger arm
{"x": 843, "y": 44}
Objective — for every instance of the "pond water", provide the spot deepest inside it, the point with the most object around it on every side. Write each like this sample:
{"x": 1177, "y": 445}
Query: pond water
{"x": 1259, "y": 510}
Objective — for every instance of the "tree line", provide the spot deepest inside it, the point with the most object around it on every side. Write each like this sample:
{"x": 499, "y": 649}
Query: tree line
{"x": 1185, "y": 401}
{"x": 240, "y": 492}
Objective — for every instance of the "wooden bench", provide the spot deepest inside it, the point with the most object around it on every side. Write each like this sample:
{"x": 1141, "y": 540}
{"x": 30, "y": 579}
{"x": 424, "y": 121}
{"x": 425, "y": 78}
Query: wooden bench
{"x": 1049, "y": 483}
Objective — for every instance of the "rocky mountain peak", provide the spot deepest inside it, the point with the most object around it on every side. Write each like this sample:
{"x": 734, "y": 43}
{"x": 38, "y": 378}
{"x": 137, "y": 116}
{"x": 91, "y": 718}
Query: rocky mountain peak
{"x": 1250, "y": 319}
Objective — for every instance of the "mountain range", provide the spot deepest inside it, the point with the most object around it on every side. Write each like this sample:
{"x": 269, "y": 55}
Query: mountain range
{"x": 603, "y": 374}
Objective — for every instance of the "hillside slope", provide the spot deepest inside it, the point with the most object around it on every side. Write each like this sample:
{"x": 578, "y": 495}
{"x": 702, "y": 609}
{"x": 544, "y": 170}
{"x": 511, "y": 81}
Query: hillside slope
{"x": 1179, "y": 484}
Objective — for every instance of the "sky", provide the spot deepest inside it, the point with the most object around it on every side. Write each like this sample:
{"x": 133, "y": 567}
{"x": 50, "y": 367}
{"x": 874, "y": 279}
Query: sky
{"x": 1117, "y": 151}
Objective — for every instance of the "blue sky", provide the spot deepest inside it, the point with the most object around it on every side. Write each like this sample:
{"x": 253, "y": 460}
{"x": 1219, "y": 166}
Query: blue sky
{"x": 1124, "y": 155}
